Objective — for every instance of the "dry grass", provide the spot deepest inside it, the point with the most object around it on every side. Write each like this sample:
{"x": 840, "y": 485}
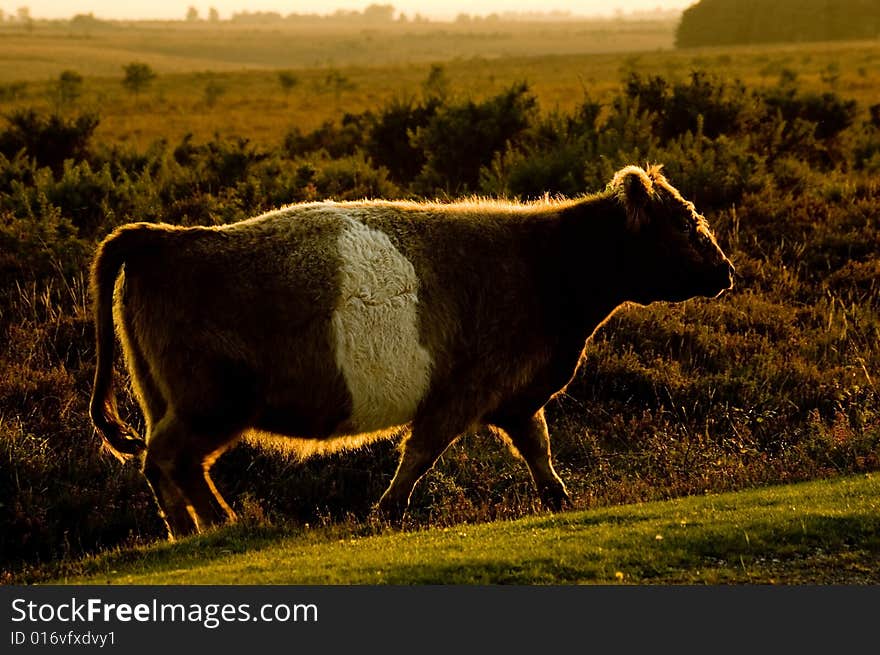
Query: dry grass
{"x": 176, "y": 47}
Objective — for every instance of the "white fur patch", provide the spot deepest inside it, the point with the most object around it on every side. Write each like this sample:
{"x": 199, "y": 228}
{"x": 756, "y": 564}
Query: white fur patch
{"x": 376, "y": 330}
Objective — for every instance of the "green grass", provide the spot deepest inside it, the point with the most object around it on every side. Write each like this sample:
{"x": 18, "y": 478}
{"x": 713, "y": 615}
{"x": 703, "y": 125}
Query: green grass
{"x": 819, "y": 532}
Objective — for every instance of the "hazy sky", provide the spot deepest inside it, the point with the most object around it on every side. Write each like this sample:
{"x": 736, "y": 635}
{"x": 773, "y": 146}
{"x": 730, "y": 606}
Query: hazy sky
{"x": 430, "y": 8}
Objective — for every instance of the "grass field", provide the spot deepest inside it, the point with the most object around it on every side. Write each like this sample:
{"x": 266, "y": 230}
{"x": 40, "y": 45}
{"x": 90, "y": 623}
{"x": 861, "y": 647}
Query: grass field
{"x": 180, "y": 47}
{"x": 820, "y": 532}
{"x": 561, "y": 62}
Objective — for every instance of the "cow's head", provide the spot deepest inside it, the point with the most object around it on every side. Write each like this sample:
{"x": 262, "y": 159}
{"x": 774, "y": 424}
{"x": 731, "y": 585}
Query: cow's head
{"x": 669, "y": 252}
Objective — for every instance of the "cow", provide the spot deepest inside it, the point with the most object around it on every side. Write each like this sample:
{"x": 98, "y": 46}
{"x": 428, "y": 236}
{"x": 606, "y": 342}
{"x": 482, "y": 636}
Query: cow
{"x": 326, "y": 325}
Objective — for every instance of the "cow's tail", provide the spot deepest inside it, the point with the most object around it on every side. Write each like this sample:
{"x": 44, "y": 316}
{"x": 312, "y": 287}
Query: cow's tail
{"x": 122, "y": 439}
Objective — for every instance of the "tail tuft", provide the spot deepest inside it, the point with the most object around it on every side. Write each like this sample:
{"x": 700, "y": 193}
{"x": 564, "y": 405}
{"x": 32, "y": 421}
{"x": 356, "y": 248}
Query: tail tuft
{"x": 121, "y": 439}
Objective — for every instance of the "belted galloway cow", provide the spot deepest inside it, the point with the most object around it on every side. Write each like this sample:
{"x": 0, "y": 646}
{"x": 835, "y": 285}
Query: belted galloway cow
{"x": 325, "y": 325}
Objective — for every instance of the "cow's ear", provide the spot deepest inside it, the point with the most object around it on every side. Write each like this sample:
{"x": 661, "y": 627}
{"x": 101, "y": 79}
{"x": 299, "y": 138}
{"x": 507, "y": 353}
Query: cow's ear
{"x": 635, "y": 189}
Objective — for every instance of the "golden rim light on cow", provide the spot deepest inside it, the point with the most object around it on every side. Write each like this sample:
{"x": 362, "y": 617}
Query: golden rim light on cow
{"x": 322, "y": 326}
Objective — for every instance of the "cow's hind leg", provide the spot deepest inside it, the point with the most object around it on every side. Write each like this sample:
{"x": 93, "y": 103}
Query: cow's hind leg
{"x": 183, "y": 456}
{"x": 172, "y": 505}
{"x": 530, "y": 438}
{"x": 428, "y": 440}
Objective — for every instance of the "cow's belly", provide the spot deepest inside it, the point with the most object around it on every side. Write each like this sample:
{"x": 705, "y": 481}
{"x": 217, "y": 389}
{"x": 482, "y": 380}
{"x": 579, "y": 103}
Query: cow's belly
{"x": 375, "y": 331}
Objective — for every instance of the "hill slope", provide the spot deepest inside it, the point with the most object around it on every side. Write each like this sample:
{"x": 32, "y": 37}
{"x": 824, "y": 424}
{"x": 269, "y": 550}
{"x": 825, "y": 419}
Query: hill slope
{"x": 821, "y": 532}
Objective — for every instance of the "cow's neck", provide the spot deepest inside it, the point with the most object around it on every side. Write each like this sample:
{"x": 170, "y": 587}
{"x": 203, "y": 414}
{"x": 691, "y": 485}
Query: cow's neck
{"x": 590, "y": 270}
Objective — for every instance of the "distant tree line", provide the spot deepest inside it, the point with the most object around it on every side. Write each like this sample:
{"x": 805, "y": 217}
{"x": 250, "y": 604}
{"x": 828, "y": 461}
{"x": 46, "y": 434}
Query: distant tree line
{"x": 723, "y": 22}
{"x": 374, "y": 13}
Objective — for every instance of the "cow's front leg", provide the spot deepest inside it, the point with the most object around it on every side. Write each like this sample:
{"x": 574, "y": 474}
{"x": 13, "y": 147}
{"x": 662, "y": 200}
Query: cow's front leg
{"x": 530, "y": 439}
{"x": 427, "y": 441}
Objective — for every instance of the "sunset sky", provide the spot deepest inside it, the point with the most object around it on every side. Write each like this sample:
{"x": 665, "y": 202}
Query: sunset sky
{"x": 431, "y": 8}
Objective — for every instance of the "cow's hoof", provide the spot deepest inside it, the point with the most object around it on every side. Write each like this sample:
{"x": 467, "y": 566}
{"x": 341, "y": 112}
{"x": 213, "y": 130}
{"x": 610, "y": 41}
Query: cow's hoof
{"x": 389, "y": 514}
{"x": 555, "y": 498}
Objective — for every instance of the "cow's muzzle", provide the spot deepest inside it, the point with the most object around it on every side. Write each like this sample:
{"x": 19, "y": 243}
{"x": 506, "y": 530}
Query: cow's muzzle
{"x": 726, "y": 277}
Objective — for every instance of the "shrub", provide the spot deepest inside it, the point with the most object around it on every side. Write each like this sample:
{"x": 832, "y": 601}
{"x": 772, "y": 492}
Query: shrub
{"x": 68, "y": 87}
{"x": 391, "y": 139}
{"x": 461, "y": 139}
{"x": 334, "y": 141}
{"x": 550, "y": 159}
{"x": 717, "y": 106}
{"x": 712, "y": 173}
{"x": 50, "y": 140}
{"x": 138, "y": 76}
{"x": 38, "y": 247}
{"x": 352, "y": 178}
{"x": 866, "y": 149}
{"x": 287, "y": 80}
{"x": 829, "y": 113}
